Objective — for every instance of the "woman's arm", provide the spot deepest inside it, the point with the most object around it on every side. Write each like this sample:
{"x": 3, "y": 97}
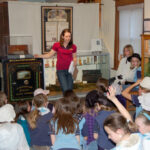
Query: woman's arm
{"x": 75, "y": 58}
{"x": 48, "y": 55}
{"x": 121, "y": 108}
{"x": 126, "y": 92}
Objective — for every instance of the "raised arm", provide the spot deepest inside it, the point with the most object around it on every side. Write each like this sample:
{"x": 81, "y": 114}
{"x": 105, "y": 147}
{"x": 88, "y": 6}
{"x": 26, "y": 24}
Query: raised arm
{"x": 121, "y": 108}
{"x": 48, "y": 55}
{"x": 126, "y": 92}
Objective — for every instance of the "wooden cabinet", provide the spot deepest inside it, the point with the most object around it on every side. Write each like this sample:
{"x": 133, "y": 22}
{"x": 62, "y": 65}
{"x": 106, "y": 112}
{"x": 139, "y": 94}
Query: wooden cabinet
{"x": 145, "y": 39}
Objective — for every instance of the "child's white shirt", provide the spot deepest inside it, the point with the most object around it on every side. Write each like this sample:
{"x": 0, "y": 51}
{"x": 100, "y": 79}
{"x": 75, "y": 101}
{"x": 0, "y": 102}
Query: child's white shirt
{"x": 146, "y": 141}
{"x": 12, "y": 137}
{"x": 134, "y": 142}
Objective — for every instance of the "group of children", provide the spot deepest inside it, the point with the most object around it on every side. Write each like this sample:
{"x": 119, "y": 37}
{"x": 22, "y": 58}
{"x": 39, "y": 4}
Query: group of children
{"x": 98, "y": 122}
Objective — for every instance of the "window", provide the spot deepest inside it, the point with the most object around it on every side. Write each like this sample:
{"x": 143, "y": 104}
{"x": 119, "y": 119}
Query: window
{"x": 130, "y": 26}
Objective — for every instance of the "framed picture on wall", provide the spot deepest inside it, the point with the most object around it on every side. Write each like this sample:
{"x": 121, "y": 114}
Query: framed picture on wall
{"x": 53, "y": 21}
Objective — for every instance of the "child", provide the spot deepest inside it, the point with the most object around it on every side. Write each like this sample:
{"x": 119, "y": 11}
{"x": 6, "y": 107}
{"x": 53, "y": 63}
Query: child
{"x": 143, "y": 123}
{"x": 11, "y": 134}
{"x": 77, "y": 111}
{"x": 45, "y": 92}
{"x": 104, "y": 109}
{"x": 102, "y": 85}
{"x": 22, "y": 108}
{"x": 128, "y": 77}
{"x": 3, "y": 99}
{"x": 144, "y": 91}
{"x": 88, "y": 130}
{"x": 64, "y": 128}
{"x": 38, "y": 121}
{"x": 119, "y": 130}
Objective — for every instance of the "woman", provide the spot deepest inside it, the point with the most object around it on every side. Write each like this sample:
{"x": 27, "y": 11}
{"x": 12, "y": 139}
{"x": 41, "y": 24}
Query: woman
{"x": 66, "y": 52}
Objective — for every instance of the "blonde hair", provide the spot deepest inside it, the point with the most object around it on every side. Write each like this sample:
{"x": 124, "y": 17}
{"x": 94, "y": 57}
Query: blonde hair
{"x": 130, "y": 48}
{"x": 3, "y": 98}
{"x": 32, "y": 117}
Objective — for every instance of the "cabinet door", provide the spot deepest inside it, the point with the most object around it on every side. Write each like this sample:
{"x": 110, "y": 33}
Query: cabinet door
{"x": 145, "y": 55}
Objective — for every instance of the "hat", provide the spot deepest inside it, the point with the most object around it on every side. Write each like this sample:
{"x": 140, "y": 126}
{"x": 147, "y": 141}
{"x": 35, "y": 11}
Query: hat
{"x": 136, "y": 55}
{"x": 145, "y": 83}
{"x": 144, "y": 100}
{"x": 41, "y": 91}
{"x": 7, "y": 113}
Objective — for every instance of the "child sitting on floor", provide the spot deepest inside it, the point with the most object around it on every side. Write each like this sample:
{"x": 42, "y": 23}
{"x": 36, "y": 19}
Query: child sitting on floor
{"x": 11, "y": 134}
{"x": 64, "y": 131}
{"x": 142, "y": 120}
{"x": 38, "y": 120}
{"x": 22, "y": 109}
{"x": 103, "y": 108}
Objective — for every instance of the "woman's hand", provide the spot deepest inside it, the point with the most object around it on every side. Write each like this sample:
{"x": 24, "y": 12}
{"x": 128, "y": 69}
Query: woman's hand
{"x": 36, "y": 56}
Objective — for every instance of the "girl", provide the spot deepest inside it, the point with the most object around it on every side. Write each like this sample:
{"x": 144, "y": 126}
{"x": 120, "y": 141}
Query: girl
{"x": 77, "y": 111}
{"x": 66, "y": 53}
{"x": 119, "y": 131}
{"x": 64, "y": 128}
{"x": 22, "y": 109}
{"x": 38, "y": 123}
{"x": 141, "y": 99}
{"x": 103, "y": 108}
{"x": 11, "y": 134}
{"x": 143, "y": 123}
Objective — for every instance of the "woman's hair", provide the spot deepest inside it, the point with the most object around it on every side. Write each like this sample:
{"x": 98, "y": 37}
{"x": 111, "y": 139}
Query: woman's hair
{"x": 64, "y": 117}
{"x": 3, "y": 98}
{"x": 144, "y": 89}
{"x": 130, "y": 48}
{"x": 116, "y": 121}
{"x": 62, "y": 40}
{"x": 74, "y": 101}
{"x": 21, "y": 108}
{"x": 38, "y": 101}
{"x": 145, "y": 115}
{"x": 94, "y": 97}
{"x": 102, "y": 85}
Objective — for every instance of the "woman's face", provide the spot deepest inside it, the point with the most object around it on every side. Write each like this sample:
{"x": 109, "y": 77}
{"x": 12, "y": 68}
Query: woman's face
{"x": 135, "y": 62}
{"x": 114, "y": 136}
{"x": 127, "y": 52}
{"x": 141, "y": 126}
{"x": 67, "y": 37}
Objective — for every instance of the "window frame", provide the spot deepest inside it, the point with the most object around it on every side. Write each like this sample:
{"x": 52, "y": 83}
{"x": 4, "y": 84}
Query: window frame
{"x": 119, "y": 3}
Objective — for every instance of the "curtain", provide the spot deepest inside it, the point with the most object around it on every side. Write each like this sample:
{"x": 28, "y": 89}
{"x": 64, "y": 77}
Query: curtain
{"x": 130, "y": 26}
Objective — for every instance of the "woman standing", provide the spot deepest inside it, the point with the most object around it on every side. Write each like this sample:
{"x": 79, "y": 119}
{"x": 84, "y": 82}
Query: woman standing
{"x": 66, "y": 52}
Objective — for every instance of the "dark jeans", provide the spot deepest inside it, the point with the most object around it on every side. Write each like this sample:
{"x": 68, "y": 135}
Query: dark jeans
{"x": 65, "y": 80}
